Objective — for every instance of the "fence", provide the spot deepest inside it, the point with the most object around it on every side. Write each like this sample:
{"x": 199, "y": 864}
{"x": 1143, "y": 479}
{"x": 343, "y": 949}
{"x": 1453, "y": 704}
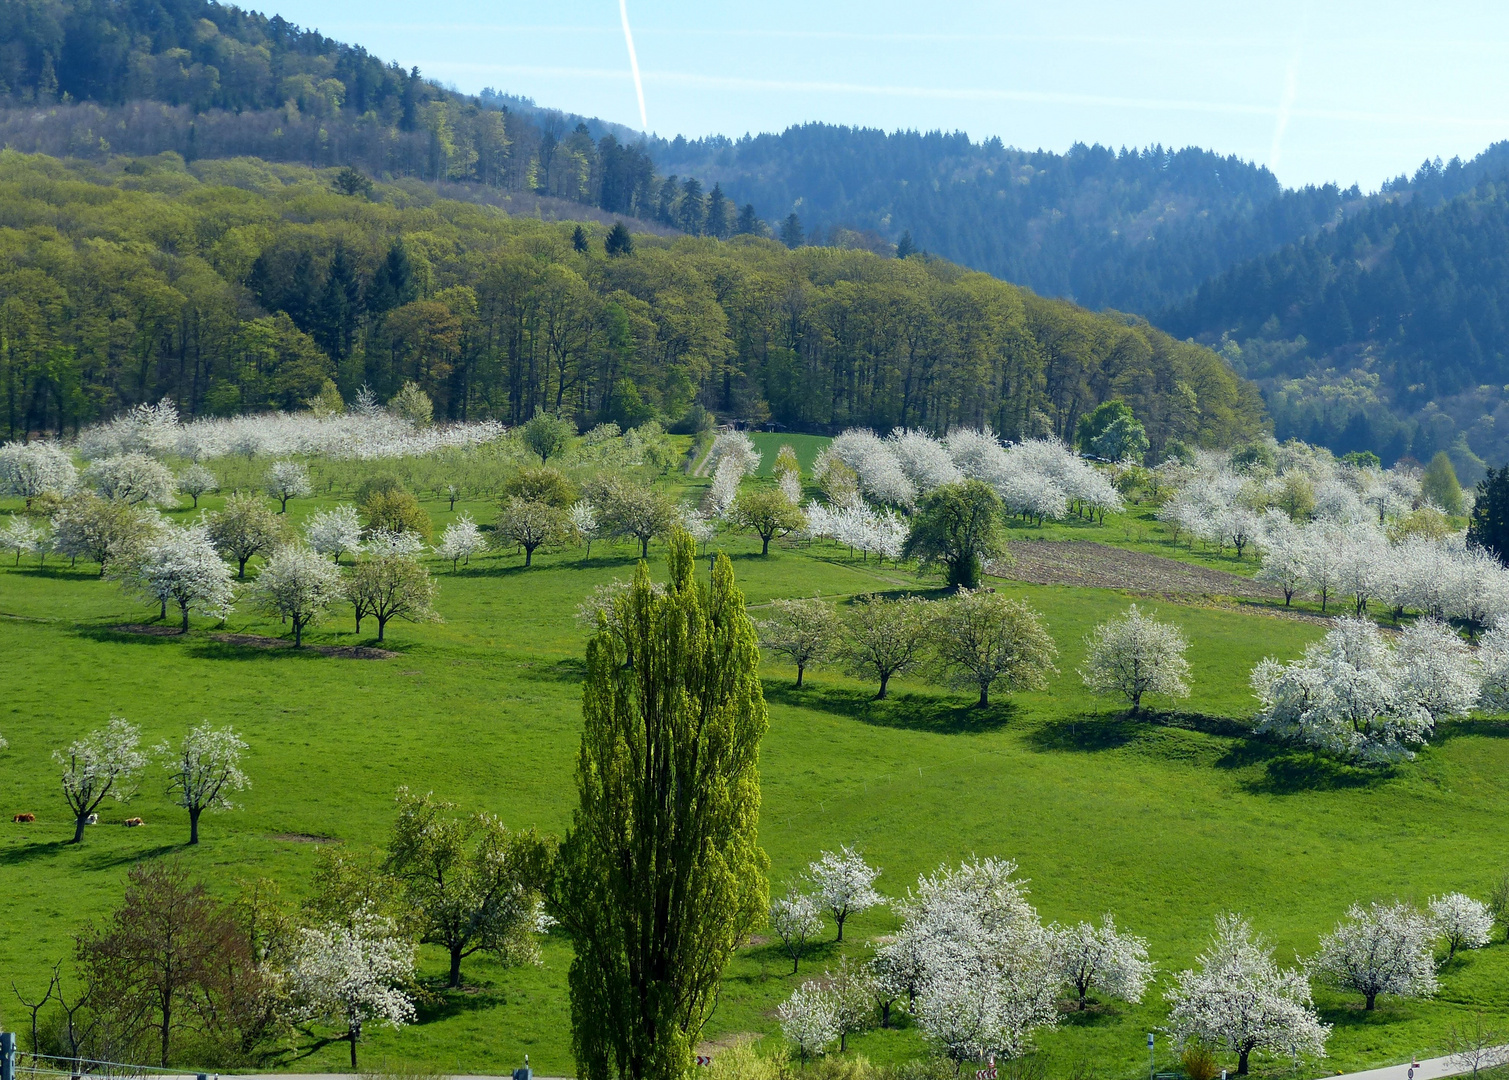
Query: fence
{"x": 23, "y": 1065}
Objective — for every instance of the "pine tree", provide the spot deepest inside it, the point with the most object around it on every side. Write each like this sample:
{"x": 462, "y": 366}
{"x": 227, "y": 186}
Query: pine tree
{"x": 579, "y": 240}
{"x": 717, "y": 212}
{"x": 619, "y": 241}
{"x": 661, "y": 875}
{"x": 906, "y": 246}
{"x": 1489, "y": 525}
{"x": 748, "y": 223}
{"x": 791, "y": 231}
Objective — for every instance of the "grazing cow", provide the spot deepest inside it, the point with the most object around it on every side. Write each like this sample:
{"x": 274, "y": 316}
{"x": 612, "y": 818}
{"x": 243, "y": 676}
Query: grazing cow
{"x": 27, "y": 818}
{"x": 133, "y": 822}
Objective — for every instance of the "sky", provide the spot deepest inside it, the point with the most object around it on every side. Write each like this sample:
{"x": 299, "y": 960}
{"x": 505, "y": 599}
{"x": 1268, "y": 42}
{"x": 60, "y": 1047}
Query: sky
{"x": 1318, "y": 92}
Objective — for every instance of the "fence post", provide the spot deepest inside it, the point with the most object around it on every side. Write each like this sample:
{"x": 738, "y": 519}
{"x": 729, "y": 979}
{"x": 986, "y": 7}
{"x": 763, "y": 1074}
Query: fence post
{"x": 7, "y": 1055}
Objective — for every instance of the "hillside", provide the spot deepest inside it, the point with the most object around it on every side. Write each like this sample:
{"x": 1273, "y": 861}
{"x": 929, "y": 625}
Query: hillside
{"x": 239, "y": 285}
{"x": 1385, "y": 333}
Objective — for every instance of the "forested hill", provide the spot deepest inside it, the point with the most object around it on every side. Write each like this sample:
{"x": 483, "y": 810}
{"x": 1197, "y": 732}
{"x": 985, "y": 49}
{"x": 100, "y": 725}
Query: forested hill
{"x": 1390, "y": 332}
{"x": 91, "y": 78}
{"x": 1131, "y": 230}
{"x": 239, "y": 285}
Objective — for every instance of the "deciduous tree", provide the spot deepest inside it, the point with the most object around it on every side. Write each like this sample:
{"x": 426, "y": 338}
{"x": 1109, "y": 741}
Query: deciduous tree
{"x": 101, "y": 765}
{"x": 807, "y": 631}
{"x": 661, "y": 876}
{"x": 297, "y": 584}
{"x": 1381, "y": 949}
{"x": 245, "y": 527}
{"x": 1102, "y": 957}
{"x": 958, "y": 527}
{"x": 287, "y": 480}
{"x": 1136, "y": 655}
{"x": 768, "y": 514}
{"x": 984, "y": 640}
{"x": 389, "y": 587}
{"x": 883, "y": 638}
{"x": 844, "y": 884}
{"x": 796, "y": 919}
{"x": 203, "y": 770}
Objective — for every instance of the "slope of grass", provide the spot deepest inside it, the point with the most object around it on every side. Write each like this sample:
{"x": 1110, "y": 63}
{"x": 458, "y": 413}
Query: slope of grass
{"x": 1163, "y": 823}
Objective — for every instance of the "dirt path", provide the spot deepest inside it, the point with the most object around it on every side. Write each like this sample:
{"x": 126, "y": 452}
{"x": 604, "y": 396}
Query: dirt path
{"x": 1100, "y": 566}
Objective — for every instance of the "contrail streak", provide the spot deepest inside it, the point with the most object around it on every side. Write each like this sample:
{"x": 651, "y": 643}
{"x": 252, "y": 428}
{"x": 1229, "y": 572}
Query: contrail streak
{"x": 623, "y": 12}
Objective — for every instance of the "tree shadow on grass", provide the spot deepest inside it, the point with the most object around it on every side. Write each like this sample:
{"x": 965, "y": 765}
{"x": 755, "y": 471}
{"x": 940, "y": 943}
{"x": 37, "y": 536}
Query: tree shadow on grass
{"x": 105, "y": 860}
{"x": 1097, "y": 732}
{"x": 1094, "y": 1014}
{"x": 114, "y": 636}
{"x": 572, "y": 669}
{"x": 28, "y": 852}
{"x": 1289, "y": 770}
{"x": 1453, "y": 729}
{"x": 909, "y": 712}
{"x": 441, "y": 1002}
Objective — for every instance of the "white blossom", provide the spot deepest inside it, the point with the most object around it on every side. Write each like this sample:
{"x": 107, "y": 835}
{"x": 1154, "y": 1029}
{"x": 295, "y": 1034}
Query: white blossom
{"x": 1136, "y": 655}
{"x": 1102, "y": 957}
{"x": 1381, "y": 949}
{"x": 809, "y": 1018}
{"x": 923, "y": 459}
{"x": 134, "y": 479}
{"x": 298, "y": 584}
{"x": 287, "y": 480}
{"x": 844, "y": 884}
{"x": 180, "y": 566}
{"x": 724, "y": 492}
{"x": 736, "y": 447}
{"x": 461, "y": 540}
{"x": 335, "y": 531}
{"x": 1465, "y": 923}
{"x": 796, "y": 918}
{"x": 21, "y": 536}
{"x": 203, "y": 770}
{"x": 401, "y": 542}
{"x": 197, "y": 480}
{"x": 1237, "y": 998}
{"x": 352, "y": 976}
{"x": 101, "y": 765}
{"x": 28, "y": 470}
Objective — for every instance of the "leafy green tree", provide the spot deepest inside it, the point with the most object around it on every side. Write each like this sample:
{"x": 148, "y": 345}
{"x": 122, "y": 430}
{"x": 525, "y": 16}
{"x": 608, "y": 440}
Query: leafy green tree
{"x": 1439, "y": 484}
{"x": 1124, "y": 439}
{"x": 469, "y": 883}
{"x": 984, "y": 640}
{"x": 767, "y": 513}
{"x": 1488, "y": 527}
{"x": 396, "y": 511}
{"x": 661, "y": 876}
{"x": 806, "y": 631}
{"x": 351, "y": 182}
{"x": 628, "y": 508}
{"x": 531, "y": 524}
{"x": 548, "y": 435}
{"x": 958, "y": 527}
{"x": 246, "y": 526}
{"x": 389, "y": 587}
{"x": 1092, "y": 424}
{"x": 883, "y": 638}
{"x": 544, "y": 484}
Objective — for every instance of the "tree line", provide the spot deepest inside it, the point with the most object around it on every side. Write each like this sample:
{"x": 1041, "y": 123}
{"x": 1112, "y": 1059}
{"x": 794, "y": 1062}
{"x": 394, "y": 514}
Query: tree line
{"x": 234, "y": 286}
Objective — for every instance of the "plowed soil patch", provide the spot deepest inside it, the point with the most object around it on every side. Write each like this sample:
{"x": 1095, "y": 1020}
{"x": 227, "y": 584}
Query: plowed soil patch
{"x": 1100, "y": 566}
{"x": 345, "y": 652}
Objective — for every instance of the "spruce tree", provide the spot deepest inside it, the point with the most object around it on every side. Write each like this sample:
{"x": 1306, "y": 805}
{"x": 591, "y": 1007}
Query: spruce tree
{"x": 661, "y": 875}
{"x": 1488, "y": 527}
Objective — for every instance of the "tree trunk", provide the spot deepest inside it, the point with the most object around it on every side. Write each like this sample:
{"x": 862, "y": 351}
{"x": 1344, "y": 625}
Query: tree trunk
{"x": 1242, "y": 1062}
{"x": 800, "y": 669}
{"x": 241, "y": 570}
{"x": 883, "y": 680}
{"x": 528, "y": 555}
{"x": 1371, "y": 999}
{"x": 382, "y": 626}
{"x": 984, "y": 695}
{"x": 298, "y": 633}
{"x": 841, "y": 930}
{"x": 194, "y": 812}
{"x": 765, "y": 550}
{"x": 644, "y": 547}
{"x": 162, "y": 616}
{"x": 184, "y": 626}
{"x": 352, "y": 1036}
{"x": 78, "y": 828}
{"x": 455, "y": 983}
{"x": 885, "y": 1015}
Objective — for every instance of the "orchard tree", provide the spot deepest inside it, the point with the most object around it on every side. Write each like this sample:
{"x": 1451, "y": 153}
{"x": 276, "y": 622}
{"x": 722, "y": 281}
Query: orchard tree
{"x": 246, "y": 526}
{"x": 530, "y": 524}
{"x": 472, "y": 885}
{"x": 389, "y": 587}
{"x": 1237, "y": 998}
{"x": 959, "y": 528}
{"x": 628, "y": 508}
{"x": 884, "y": 638}
{"x": 182, "y": 567}
{"x": 101, "y": 765}
{"x": 395, "y": 511}
{"x": 1381, "y": 949}
{"x": 297, "y": 584}
{"x": 33, "y": 469}
{"x": 1465, "y": 923}
{"x": 197, "y": 480}
{"x": 984, "y": 640}
{"x": 133, "y": 479}
{"x": 657, "y": 888}
{"x": 1102, "y": 957}
{"x": 844, "y": 884}
{"x": 352, "y": 976}
{"x": 461, "y": 540}
{"x": 101, "y": 530}
{"x": 852, "y": 989}
{"x": 20, "y": 536}
{"x": 767, "y": 513}
{"x": 809, "y": 1020}
{"x": 544, "y": 484}
{"x": 547, "y": 435}
{"x": 583, "y": 520}
{"x": 203, "y": 770}
{"x": 1134, "y": 656}
{"x": 796, "y": 919}
{"x": 335, "y": 531}
{"x": 806, "y": 631}
{"x": 287, "y": 480}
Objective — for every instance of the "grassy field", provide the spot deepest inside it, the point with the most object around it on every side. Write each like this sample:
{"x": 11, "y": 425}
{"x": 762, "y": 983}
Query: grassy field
{"x": 1163, "y": 823}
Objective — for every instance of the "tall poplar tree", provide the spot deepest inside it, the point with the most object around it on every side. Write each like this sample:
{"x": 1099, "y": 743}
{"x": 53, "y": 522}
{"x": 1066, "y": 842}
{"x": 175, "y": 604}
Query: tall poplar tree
{"x": 661, "y": 874}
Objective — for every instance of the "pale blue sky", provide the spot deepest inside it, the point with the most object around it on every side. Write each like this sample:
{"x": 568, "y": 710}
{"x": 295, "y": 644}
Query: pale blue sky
{"x": 1321, "y": 91}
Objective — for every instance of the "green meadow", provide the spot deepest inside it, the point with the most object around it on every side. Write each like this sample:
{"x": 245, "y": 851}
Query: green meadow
{"x": 1164, "y": 822}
